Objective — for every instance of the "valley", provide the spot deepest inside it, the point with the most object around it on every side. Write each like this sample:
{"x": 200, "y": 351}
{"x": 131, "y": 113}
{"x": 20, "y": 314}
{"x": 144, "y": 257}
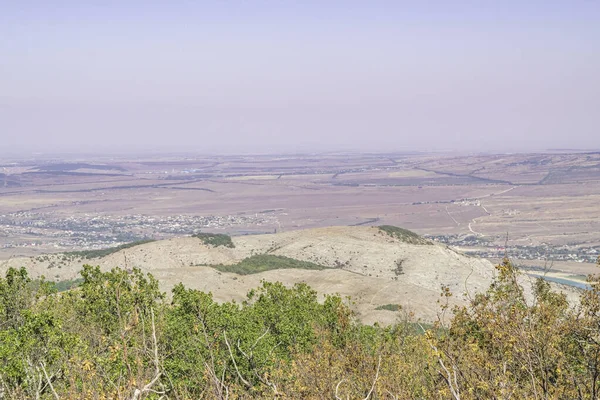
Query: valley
{"x": 534, "y": 207}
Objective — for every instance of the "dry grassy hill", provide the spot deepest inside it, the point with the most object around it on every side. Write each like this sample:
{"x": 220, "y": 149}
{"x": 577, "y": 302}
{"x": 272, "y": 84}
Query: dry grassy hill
{"x": 375, "y": 268}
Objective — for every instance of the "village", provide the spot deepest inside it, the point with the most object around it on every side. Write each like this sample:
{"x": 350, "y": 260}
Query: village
{"x": 46, "y": 231}
{"x": 484, "y": 248}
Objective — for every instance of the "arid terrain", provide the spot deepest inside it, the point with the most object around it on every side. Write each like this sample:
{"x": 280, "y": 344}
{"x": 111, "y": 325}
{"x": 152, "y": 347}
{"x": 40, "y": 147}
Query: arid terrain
{"x": 368, "y": 265}
{"x": 546, "y": 202}
{"x": 542, "y": 210}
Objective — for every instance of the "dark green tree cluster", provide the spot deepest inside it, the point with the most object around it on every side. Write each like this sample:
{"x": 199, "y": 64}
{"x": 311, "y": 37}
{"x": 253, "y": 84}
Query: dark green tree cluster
{"x": 117, "y": 336}
{"x": 266, "y": 262}
{"x": 90, "y": 254}
{"x": 215, "y": 239}
{"x": 404, "y": 235}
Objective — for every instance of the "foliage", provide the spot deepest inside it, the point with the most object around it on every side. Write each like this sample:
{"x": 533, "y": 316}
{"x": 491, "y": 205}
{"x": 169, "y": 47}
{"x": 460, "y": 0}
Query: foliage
{"x": 404, "y": 235}
{"x": 389, "y": 307}
{"x": 266, "y": 262}
{"x": 90, "y": 254}
{"x": 399, "y": 270}
{"x": 505, "y": 344}
{"x": 118, "y": 337}
{"x": 215, "y": 239}
{"x": 68, "y": 284}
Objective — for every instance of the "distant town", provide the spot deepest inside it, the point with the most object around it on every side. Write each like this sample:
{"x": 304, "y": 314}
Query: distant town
{"x": 476, "y": 245}
{"x": 48, "y": 232}
{"x": 92, "y": 231}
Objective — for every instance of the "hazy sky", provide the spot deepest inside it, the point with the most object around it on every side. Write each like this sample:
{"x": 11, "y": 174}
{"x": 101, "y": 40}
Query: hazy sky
{"x": 270, "y": 76}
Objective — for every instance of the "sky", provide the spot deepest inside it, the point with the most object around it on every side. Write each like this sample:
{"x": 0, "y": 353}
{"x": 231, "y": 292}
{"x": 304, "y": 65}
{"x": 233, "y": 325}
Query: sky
{"x": 298, "y": 76}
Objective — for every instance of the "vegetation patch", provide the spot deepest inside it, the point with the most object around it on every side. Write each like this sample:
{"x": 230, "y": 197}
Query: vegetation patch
{"x": 63, "y": 286}
{"x": 404, "y": 235}
{"x": 215, "y": 239}
{"x": 266, "y": 262}
{"x": 389, "y": 307}
{"x": 88, "y": 254}
{"x": 399, "y": 270}
{"x": 282, "y": 342}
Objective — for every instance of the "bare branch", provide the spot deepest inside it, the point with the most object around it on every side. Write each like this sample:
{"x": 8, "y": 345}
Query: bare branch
{"x": 259, "y": 339}
{"x": 374, "y": 380}
{"x": 248, "y": 357}
{"x": 392, "y": 395}
{"x": 242, "y": 351}
{"x": 49, "y": 382}
{"x": 451, "y": 379}
{"x": 266, "y": 381}
{"x": 218, "y": 384}
{"x": 39, "y": 388}
{"x": 337, "y": 387}
{"x": 234, "y": 363}
{"x": 148, "y": 387}
{"x": 155, "y": 343}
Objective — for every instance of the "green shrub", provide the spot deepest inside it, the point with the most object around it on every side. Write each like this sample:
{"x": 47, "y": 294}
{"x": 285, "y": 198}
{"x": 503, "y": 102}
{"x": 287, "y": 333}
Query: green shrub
{"x": 389, "y": 307}
{"x": 266, "y": 262}
{"x": 117, "y": 336}
{"x": 404, "y": 235}
{"x": 88, "y": 254}
{"x": 215, "y": 239}
{"x": 63, "y": 286}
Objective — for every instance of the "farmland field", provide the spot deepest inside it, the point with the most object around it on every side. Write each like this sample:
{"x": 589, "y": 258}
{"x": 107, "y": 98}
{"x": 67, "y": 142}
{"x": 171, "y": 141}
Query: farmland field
{"x": 480, "y": 203}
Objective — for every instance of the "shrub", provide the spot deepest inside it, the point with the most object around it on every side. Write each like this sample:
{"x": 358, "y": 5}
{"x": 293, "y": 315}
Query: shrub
{"x": 89, "y": 254}
{"x": 215, "y": 239}
{"x": 389, "y": 307}
{"x": 266, "y": 262}
{"x": 404, "y": 235}
{"x": 63, "y": 286}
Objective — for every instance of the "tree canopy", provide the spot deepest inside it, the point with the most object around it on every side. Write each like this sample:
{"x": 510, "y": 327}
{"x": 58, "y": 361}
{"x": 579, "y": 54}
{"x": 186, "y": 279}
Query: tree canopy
{"x": 117, "y": 336}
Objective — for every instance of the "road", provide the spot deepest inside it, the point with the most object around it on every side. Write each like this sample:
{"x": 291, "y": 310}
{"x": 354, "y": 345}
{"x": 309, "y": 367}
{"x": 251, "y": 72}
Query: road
{"x": 448, "y": 212}
{"x": 485, "y": 209}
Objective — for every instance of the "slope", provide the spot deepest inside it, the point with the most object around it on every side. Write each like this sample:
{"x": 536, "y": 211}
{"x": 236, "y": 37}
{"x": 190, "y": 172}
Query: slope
{"x": 372, "y": 266}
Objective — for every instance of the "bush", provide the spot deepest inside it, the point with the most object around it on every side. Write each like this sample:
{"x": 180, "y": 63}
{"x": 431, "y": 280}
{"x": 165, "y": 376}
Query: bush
{"x": 215, "y": 239}
{"x": 116, "y": 337}
{"x": 404, "y": 235}
{"x": 89, "y": 254}
{"x": 389, "y": 307}
{"x": 266, "y": 262}
{"x": 63, "y": 286}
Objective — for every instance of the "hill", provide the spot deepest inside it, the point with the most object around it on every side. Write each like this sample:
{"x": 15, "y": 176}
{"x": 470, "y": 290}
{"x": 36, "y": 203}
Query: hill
{"x": 378, "y": 268}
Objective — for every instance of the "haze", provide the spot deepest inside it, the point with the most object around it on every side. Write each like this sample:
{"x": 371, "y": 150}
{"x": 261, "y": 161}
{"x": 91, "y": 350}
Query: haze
{"x": 265, "y": 76}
